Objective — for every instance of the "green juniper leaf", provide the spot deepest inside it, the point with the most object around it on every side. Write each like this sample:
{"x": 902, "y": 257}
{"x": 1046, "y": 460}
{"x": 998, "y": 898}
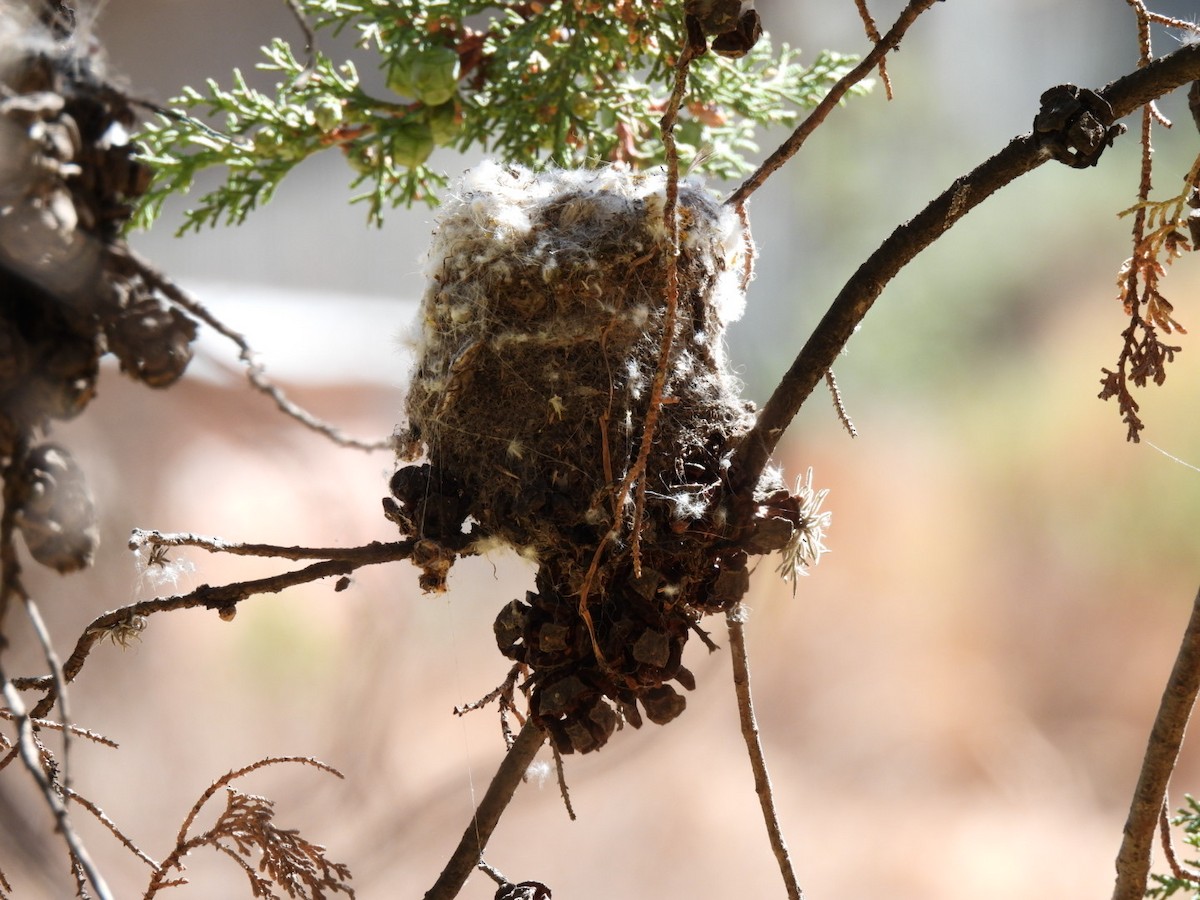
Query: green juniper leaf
{"x": 569, "y": 83}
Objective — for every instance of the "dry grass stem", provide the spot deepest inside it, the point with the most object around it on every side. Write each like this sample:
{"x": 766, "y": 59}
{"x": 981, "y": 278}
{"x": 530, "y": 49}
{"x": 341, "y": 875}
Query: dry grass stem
{"x": 634, "y": 477}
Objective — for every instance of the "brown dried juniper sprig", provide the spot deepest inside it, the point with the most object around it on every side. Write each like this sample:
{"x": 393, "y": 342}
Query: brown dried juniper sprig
{"x": 1144, "y": 356}
{"x": 245, "y": 831}
{"x": 1157, "y": 238}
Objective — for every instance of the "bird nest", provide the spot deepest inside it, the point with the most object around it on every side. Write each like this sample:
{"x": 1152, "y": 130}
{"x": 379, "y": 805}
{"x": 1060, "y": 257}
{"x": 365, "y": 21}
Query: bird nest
{"x": 540, "y": 336}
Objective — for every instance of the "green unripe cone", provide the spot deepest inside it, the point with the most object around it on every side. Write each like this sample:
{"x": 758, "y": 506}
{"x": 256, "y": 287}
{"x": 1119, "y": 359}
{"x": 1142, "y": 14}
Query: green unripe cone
{"x": 411, "y": 143}
{"x": 363, "y": 156}
{"x": 583, "y": 107}
{"x": 444, "y": 123}
{"x": 429, "y": 75}
{"x": 327, "y": 113}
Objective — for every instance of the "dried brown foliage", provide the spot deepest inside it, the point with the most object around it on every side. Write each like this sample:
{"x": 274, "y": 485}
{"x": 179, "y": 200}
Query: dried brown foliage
{"x": 1158, "y": 239}
{"x": 272, "y": 858}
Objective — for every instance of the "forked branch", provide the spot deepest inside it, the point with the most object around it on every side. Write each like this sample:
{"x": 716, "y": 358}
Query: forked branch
{"x": 813, "y": 120}
{"x": 223, "y": 599}
{"x": 1022, "y": 155}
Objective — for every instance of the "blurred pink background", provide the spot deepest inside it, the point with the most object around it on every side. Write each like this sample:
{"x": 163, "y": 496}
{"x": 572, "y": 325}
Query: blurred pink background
{"x": 955, "y": 704}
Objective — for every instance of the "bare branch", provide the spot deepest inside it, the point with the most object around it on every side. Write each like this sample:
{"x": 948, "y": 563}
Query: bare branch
{"x": 1022, "y": 155}
{"x": 112, "y": 826}
{"x": 30, "y": 756}
{"x": 1162, "y": 750}
{"x": 224, "y": 599}
{"x": 813, "y": 120}
{"x": 255, "y": 373}
{"x": 56, "y": 673}
{"x": 52, "y": 725}
{"x": 504, "y": 784}
{"x": 376, "y": 551}
{"x": 735, "y": 618}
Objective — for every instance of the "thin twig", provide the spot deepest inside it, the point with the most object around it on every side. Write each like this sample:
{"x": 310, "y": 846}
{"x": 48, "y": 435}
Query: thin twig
{"x": 839, "y": 404}
{"x": 637, "y": 470}
{"x": 812, "y": 121}
{"x": 1162, "y": 750}
{"x": 873, "y": 34}
{"x": 1145, "y": 53}
{"x": 1164, "y": 832}
{"x": 503, "y": 695}
{"x": 112, "y": 826}
{"x": 492, "y": 872}
{"x": 735, "y": 618}
{"x": 667, "y": 341}
{"x": 52, "y": 725}
{"x": 60, "y": 685}
{"x": 561, "y": 773}
{"x": 28, "y": 751}
{"x": 376, "y": 551}
{"x": 310, "y": 41}
{"x": 854, "y": 301}
{"x": 469, "y": 851}
{"x": 222, "y": 598}
{"x": 255, "y": 373}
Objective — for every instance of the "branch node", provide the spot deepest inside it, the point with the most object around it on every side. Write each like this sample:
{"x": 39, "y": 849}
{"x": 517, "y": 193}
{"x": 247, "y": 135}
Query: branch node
{"x": 1074, "y": 126}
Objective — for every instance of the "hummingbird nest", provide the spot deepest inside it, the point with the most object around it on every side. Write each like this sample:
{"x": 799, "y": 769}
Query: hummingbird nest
{"x": 540, "y": 335}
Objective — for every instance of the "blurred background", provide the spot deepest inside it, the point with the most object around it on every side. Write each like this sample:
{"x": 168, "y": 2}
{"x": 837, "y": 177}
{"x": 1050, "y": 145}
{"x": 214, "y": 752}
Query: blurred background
{"x": 954, "y": 704}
